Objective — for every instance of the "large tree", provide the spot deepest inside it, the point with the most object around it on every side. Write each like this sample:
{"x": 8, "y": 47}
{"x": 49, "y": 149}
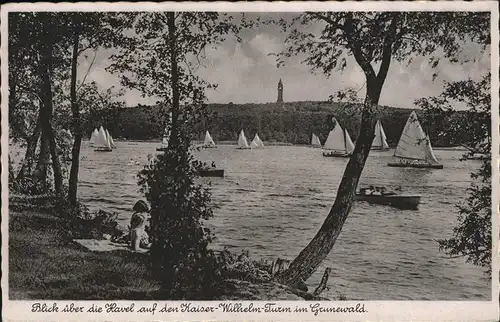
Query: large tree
{"x": 160, "y": 63}
{"x": 88, "y": 31}
{"x": 374, "y": 40}
{"x": 472, "y": 236}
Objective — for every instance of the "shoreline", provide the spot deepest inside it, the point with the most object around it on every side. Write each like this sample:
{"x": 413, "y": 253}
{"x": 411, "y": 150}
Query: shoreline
{"x": 45, "y": 263}
{"x": 266, "y": 143}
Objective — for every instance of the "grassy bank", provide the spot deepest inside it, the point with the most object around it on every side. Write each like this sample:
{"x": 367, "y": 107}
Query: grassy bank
{"x": 44, "y": 263}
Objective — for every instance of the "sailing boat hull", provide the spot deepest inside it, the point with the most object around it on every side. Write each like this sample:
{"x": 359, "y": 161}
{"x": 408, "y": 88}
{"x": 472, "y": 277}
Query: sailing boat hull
{"x": 397, "y": 201}
{"x": 335, "y": 154}
{"x": 103, "y": 149}
{"x": 212, "y": 173}
{"x": 241, "y": 148}
{"x": 377, "y": 148}
{"x": 162, "y": 149}
{"x": 415, "y": 165}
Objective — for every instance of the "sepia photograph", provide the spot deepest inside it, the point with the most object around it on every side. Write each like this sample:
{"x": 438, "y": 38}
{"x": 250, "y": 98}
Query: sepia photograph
{"x": 339, "y": 154}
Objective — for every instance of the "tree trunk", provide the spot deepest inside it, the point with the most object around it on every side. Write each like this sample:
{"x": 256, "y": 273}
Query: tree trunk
{"x": 309, "y": 259}
{"x": 29, "y": 157}
{"x": 306, "y": 263}
{"x": 43, "y": 156}
{"x": 77, "y": 126}
{"x": 174, "y": 137}
{"x": 56, "y": 164}
{"x": 48, "y": 143}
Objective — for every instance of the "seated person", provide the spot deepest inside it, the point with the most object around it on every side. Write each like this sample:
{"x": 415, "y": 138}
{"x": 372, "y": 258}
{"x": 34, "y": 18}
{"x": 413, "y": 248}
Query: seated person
{"x": 377, "y": 191}
{"x": 369, "y": 190}
{"x": 139, "y": 238}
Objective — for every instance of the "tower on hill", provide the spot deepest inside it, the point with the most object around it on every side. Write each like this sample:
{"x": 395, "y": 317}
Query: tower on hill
{"x": 280, "y": 91}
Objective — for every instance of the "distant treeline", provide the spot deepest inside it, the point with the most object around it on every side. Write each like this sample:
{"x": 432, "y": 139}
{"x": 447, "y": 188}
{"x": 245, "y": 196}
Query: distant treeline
{"x": 292, "y": 122}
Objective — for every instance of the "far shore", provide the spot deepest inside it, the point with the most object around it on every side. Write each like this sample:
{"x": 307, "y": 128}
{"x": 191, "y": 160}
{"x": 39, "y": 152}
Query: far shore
{"x": 272, "y": 143}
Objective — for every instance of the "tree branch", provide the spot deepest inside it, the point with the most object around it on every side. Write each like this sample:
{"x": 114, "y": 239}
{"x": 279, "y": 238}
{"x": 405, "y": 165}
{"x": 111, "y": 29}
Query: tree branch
{"x": 322, "y": 284}
{"x": 355, "y": 47}
{"x": 327, "y": 19}
{"x": 387, "y": 50}
{"x": 86, "y": 74}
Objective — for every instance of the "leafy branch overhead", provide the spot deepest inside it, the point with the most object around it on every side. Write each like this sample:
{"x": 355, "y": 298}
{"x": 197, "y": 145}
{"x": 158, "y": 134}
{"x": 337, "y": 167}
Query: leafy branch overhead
{"x": 144, "y": 63}
{"x": 379, "y": 37}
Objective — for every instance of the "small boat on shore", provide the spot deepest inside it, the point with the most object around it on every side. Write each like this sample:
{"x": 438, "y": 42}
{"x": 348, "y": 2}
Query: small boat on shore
{"x": 380, "y": 140}
{"x": 242, "y": 141}
{"x": 315, "y": 142}
{"x": 414, "y": 148}
{"x": 378, "y": 195}
{"x": 338, "y": 143}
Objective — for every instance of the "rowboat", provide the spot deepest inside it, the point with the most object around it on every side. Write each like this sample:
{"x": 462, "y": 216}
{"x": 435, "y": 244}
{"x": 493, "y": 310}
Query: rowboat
{"x": 212, "y": 172}
{"x": 401, "y": 201}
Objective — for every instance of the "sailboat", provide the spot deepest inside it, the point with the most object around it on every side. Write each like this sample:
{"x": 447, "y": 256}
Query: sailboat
{"x": 93, "y": 137}
{"x": 338, "y": 143}
{"x": 414, "y": 148}
{"x": 257, "y": 142}
{"x": 102, "y": 143}
{"x": 315, "y": 142}
{"x": 242, "y": 141}
{"x": 209, "y": 142}
{"x": 478, "y": 152}
{"x": 380, "y": 140}
{"x": 166, "y": 136}
{"x": 110, "y": 139}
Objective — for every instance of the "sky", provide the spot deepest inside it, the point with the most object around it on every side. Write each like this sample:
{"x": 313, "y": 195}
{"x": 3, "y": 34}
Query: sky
{"x": 245, "y": 73}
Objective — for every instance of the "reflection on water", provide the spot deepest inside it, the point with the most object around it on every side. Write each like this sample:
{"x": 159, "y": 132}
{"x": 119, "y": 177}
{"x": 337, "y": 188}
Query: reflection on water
{"x": 273, "y": 201}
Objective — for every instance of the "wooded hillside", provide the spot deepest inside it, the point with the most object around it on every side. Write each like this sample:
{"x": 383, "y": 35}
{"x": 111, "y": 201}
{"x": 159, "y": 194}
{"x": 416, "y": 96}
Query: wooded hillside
{"x": 291, "y": 122}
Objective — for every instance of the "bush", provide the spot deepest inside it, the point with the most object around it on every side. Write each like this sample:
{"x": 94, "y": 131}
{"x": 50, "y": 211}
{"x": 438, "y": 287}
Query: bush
{"x": 179, "y": 254}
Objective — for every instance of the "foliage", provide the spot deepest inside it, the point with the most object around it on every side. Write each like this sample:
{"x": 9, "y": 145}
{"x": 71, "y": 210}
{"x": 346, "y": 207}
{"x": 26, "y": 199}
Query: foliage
{"x": 472, "y": 235}
{"x": 159, "y": 62}
{"x": 374, "y": 40}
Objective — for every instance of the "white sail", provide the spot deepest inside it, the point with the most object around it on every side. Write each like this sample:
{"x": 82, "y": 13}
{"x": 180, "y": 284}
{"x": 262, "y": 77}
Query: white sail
{"x": 166, "y": 132}
{"x": 242, "y": 141}
{"x": 110, "y": 139}
{"x": 335, "y": 140}
{"x": 315, "y": 142}
{"x": 380, "y": 140}
{"x": 261, "y": 144}
{"x": 93, "y": 136}
{"x": 414, "y": 143}
{"x": 256, "y": 142}
{"x": 101, "y": 140}
{"x": 349, "y": 146}
{"x": 209, "y": 142}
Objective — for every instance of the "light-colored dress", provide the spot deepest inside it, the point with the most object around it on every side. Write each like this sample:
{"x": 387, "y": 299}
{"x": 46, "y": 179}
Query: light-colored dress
{"x": 138, "y": 236}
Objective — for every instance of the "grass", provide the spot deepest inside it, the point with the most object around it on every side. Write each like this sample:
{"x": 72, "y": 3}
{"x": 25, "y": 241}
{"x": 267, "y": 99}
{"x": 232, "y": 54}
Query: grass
{"x": 45, "y": 264}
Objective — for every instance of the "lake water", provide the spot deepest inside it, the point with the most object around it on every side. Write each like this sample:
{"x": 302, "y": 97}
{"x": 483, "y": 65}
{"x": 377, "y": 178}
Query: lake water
{"x": 273, "y": 201}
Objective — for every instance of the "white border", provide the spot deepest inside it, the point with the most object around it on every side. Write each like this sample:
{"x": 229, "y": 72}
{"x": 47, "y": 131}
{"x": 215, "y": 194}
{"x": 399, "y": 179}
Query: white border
{"x": 377, "y": 310}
